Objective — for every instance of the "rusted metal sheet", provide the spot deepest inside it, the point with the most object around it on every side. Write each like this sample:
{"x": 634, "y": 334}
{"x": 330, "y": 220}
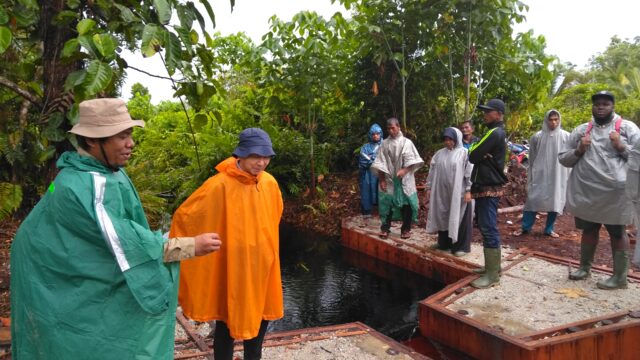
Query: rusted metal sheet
{"x": 202, "y": 345}
{"x": 615, "y": 335}
{"x": 404, "y": 254}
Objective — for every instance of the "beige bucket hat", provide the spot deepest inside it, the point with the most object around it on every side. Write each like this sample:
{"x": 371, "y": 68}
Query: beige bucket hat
{"x": 101, "y": 118}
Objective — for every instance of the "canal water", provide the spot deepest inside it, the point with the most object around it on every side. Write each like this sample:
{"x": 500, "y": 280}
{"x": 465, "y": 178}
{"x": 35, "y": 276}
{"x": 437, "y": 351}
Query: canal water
{"x": 326, "y": 284}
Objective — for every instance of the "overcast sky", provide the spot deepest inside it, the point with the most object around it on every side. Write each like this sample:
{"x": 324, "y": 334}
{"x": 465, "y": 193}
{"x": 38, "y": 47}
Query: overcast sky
{"x": 574, "y": 30}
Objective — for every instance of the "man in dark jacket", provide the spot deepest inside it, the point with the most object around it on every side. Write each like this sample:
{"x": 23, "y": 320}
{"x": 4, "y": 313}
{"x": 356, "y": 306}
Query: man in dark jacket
{"x": 488, "y": 178}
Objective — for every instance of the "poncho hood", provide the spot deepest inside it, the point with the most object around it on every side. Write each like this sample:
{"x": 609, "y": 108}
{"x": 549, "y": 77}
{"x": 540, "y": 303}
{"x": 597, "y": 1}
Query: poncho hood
{"x": 375, "y": 129}
{"x": 74, "y": 160}
{"x": 230, "y": 167}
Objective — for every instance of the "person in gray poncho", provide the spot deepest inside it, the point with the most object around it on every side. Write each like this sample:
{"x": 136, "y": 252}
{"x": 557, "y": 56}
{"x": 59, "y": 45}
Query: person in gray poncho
{"x": 597, "y": 152}
{"x": 449, "y": 190}
{"x": 395, "y": 165}
{"x": 546, "y": 178}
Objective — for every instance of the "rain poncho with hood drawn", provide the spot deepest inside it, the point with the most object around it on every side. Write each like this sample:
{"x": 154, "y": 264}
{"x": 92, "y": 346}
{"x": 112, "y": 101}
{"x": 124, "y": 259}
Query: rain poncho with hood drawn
{"x": 368, "y": 180}
{"x": 240, "y": 283}
{"x": 546, "y": 177}
{"x": 393, "y": 155}
{"x": 87, "y": 275}
{"x": 596, "y": 187}
{"x": 449, "y": 178}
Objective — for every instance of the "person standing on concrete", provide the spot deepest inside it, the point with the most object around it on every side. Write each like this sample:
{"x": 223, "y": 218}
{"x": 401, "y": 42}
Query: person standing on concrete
{"x": 488, "y": 179}
{"x": 396, "y": 163}
{"x": 468, "y": 139}
{"x": 449, "y": 194}
{"x": 369, "y": 181}
{"x": 546, "y": 178}
{"x": 239, "y": 286}
{"x": 597, "y": 152}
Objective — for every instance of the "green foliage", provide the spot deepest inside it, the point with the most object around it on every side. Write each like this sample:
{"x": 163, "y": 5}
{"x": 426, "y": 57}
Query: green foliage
{"x": 75, "y": 47}
{"x": 314, "y": 84}
{"x": 11, "y": 196}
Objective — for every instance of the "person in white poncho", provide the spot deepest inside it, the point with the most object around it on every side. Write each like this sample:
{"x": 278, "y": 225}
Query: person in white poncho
{"x": 449, "y": 193}
{"x": 597, "y": 152}
{"x": 396, "y": 163}
{"x": 546, "y": 178}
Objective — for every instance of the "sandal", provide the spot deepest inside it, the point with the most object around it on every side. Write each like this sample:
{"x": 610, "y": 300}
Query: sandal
{"x": 384, "y": 235}
{"x": 519, "y": 232}
{"x": 405, "y": 234}
{"x": 553, "y": 234}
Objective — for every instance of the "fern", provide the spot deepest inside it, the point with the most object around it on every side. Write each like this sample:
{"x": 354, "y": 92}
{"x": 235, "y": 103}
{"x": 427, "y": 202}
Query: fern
{"x": 10, "y": 199}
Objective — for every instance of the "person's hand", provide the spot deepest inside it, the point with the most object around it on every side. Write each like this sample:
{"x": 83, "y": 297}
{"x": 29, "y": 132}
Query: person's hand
{"x": 402, "y": 172}
{"x": 617, "y": 143}
{"x": 207, "y": 243}
{"x": 383, "y": 184}
{"x": 584, "y": 143}
{"x": 467, "y": 197}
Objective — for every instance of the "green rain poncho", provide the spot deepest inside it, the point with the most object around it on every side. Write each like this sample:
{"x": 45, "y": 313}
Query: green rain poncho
{"x": 87, "y": 275}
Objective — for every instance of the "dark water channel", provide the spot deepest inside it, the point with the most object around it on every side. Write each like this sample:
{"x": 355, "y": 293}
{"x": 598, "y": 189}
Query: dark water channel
{"x": 326, "y": 284}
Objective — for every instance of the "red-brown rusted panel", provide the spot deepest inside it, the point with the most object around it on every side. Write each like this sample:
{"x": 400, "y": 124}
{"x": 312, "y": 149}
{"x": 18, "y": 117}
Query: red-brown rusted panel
{"x": 612, "y": 336}
{"x": 407, "y": 256}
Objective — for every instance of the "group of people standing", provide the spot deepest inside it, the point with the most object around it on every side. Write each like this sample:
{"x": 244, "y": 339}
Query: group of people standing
{"x": 584, "y": 171}
{"x": 90, "y": 279}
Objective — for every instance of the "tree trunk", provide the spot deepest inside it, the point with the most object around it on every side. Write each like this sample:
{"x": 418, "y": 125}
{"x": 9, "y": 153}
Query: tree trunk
{"x": 55, "y": 72}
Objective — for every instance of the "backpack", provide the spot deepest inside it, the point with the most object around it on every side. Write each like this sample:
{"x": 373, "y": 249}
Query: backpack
{"x": 617, "y": 126}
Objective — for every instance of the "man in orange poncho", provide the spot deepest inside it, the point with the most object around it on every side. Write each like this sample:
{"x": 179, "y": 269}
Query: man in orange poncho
{"x": 239, "y": 286}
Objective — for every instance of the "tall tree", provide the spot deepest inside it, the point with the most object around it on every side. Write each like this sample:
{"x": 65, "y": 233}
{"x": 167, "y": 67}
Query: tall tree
{"x": 309, "y": 69}
{"x": 54, "y": 54}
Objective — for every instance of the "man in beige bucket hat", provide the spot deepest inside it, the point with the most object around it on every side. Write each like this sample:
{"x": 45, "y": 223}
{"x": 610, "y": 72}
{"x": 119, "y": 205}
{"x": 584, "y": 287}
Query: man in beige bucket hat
{"x": 89, "y": 279}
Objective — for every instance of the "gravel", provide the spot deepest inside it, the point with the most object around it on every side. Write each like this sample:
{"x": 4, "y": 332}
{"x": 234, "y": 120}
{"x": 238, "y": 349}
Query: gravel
{"x": 536, "y": 294}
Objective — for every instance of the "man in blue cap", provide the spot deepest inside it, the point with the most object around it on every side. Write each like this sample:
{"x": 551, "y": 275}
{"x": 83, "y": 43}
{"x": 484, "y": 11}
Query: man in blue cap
{"x": 488, "y": 179}
{"x": 597, "y": 152}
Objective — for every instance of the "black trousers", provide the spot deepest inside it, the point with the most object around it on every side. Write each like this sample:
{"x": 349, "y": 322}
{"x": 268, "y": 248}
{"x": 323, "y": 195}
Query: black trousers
{"x": 464, "y": 234}
{"x": 406, "y": 219}
{"x": 223, "y": 343}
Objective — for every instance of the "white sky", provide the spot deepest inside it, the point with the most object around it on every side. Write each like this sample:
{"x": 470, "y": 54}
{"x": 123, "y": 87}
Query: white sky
{"x": 574, "y": 30}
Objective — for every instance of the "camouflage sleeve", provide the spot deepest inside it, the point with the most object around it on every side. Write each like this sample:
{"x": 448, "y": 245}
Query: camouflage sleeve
{"x": 180, "y": 248}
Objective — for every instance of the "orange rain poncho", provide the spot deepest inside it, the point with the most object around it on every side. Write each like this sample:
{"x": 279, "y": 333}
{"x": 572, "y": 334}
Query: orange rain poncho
{"x": 240, "y": 283}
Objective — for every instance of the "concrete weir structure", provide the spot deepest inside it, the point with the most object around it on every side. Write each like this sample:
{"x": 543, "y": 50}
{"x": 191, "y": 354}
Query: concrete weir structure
{"x": 535, "y": 312}
{"x": 345, "y": 341}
